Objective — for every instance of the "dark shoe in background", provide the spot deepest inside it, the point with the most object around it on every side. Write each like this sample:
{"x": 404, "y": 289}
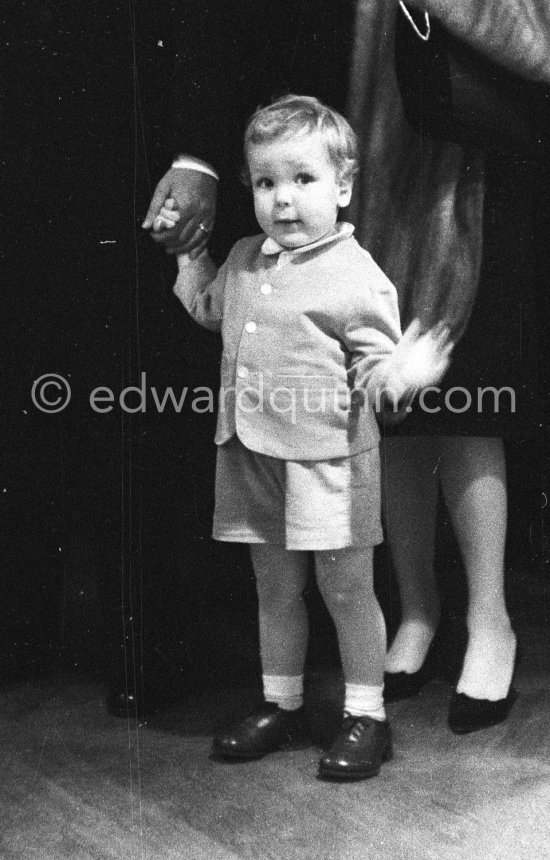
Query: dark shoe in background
{"x": 143, "y": 682}
{"x": 443, "y": 662}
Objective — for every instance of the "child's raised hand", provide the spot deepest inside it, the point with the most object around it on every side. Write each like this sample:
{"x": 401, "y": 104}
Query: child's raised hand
{"x": 421, "y": 358}
{"x": 168, "y": 216}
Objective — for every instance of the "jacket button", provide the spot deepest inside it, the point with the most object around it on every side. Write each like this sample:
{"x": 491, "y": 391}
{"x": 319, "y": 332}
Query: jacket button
{"x": 250, "y": 327}
{"x": 242, "y": 372}
{"x": 265, "y": 289}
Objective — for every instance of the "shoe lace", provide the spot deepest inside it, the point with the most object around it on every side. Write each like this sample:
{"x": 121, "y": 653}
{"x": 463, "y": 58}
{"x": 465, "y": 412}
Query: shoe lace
{"x": 354, "y": 727}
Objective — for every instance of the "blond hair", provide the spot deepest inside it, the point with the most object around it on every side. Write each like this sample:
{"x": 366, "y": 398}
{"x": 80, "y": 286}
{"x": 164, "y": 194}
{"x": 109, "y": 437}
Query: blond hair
{"x": 293, "y": 115}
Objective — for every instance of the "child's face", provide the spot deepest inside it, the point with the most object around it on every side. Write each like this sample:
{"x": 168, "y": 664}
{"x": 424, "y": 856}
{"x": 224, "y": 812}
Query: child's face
{"x": 297, "y": 191}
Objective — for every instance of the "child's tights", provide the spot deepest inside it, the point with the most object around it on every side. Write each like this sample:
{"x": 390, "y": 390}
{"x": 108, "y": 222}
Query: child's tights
{"x": 345, "y": 581}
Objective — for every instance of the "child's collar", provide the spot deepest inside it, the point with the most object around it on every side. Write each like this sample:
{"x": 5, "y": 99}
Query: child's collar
{"x": 343, "y": 231}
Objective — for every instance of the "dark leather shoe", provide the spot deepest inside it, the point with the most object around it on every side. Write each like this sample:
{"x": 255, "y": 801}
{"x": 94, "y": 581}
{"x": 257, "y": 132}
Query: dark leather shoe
{"x": 123, "y": 703}
{"x": 361, "y": 746}
{"x": 267, "y": 730}
{"x": 470, "y": 715}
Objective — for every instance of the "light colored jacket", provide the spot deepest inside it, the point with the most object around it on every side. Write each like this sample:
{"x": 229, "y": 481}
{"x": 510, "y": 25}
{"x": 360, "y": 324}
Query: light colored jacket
{"x": 304, "y": 334}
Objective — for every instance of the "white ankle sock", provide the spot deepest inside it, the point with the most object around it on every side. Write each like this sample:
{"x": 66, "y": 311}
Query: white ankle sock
{"x": 286, "y": 690}
{"x": 488, "y": 665}
{"x": 410, "y": 647}
{"x": 364, "y": 701}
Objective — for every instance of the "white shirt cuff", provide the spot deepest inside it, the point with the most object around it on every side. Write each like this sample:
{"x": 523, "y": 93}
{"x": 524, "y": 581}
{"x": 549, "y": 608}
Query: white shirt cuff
{"x": 189, "y": 163}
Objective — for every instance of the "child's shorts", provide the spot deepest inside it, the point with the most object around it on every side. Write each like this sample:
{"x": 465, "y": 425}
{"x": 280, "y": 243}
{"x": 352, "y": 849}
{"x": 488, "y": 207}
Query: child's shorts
{"x": 300, "y": 505}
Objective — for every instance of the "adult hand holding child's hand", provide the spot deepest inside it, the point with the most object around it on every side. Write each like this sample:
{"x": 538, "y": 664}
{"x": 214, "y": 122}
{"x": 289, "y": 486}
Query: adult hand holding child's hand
{"x": 193, "y": 195}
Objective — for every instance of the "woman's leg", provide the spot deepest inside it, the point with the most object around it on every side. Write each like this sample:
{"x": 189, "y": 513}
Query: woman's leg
{"x": 473, "y": 474}
{"x": 410, "y": 480}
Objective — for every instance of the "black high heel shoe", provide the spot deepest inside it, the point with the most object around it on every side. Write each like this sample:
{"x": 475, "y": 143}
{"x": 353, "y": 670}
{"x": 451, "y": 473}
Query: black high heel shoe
{"x": 467, "y": 714}
{"x": 470, "y": 715}
{"x": 443, "y": 662}
{"x": 406, "y": 685}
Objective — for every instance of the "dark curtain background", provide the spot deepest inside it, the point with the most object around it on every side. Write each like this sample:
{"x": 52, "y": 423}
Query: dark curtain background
{"x": 107, "y": 561}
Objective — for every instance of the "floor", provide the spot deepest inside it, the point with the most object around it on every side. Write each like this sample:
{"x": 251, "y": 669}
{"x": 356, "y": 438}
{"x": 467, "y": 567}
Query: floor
{"x": 78, "y": 783}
